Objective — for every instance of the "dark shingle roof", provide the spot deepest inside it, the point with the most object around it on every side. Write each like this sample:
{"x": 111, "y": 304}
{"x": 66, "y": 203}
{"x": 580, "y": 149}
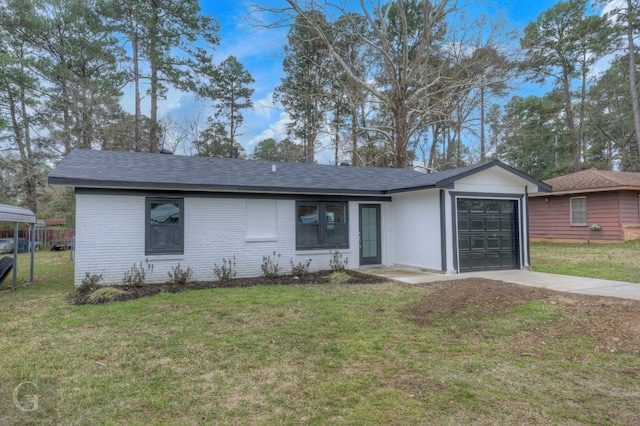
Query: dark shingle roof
{"x": 594, "y": 180}
{"x": 111, "y": 169}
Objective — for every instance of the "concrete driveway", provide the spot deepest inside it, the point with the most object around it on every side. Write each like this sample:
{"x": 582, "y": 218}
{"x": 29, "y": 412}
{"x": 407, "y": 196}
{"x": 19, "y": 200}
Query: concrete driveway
{"x": 566, "y": 283}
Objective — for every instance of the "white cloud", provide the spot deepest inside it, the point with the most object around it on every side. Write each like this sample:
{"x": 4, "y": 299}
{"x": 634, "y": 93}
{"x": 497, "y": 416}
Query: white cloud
{"x": 265, "y": 107}
{"x": 277, "y": 129}
{"x": 611, "y": 5}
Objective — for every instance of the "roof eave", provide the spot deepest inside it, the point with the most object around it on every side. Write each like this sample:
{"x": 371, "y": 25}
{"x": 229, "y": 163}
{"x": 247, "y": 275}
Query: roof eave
{"x": 586, "y": 190}
{"x": 91, "y": 183}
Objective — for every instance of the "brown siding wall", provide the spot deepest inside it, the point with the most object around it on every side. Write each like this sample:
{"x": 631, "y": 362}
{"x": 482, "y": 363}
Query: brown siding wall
{"x": 629, "y": 214}
{"x": 552, "y": 220}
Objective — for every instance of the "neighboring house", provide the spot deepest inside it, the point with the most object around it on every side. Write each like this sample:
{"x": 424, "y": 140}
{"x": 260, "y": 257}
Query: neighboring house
{"x": 197, "y": 211}
{"x": 582, "y": 202}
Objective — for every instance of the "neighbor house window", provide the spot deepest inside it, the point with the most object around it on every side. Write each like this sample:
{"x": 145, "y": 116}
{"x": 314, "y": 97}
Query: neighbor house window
{"x": 579, "y": 210}
{"x": 164, "y": 226}
{"x": 321, "y": 225}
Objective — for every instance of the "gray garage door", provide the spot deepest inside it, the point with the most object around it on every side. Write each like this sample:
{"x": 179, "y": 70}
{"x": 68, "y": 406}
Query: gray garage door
{"x": 487, "y": 234}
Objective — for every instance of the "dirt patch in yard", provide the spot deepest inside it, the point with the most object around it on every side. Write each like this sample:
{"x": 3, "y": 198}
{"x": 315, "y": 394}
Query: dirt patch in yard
{"x": 130, "y": 293}
{"x": 613, "y": 323}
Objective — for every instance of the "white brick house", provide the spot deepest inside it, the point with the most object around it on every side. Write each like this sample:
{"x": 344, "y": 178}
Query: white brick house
{"x": 160, "y": 209}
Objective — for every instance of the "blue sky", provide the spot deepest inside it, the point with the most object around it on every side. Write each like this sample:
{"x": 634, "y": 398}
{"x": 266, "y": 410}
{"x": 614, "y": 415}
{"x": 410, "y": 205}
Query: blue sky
{"x": 260, "y": 51}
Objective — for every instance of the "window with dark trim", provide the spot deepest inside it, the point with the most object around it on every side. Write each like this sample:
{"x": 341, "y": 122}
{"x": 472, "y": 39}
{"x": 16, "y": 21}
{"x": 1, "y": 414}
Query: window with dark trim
{"x": 321, "y": 224}
{"x": 164, "y": 226}
{"x": 579, "y": 210}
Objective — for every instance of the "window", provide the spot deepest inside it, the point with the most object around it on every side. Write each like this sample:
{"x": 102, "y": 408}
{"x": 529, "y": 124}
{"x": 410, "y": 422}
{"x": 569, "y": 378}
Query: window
{"x": 321, "y": 225}
{"x": 579, "y": 211}
{"x": 164, "y": 226}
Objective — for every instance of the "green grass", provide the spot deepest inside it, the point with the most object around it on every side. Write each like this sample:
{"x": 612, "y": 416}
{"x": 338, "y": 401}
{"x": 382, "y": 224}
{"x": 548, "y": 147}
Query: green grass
{"x": 319, "y": 354}
{"x": 619, "y": 262}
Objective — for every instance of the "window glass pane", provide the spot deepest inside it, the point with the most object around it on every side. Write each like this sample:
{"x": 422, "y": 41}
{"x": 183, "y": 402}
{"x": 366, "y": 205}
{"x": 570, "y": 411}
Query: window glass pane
{"x": 463, "y": 204}
{"x": 307, "y": 228}
{"x": 307, "y": 235}
{"x": 164, "y": 226}
{"x": 164, "y": 212}
{"x": 336, "y": 214}
{"x": 492, "y": 206}
{"x": 478, "y": 206}
{"x": 336, "y": 233}
{"x": 308, "y": 214}
{"x": 506, "y": 206}
{"x": 579, "y": 211}
{"x": 164, "y": 238}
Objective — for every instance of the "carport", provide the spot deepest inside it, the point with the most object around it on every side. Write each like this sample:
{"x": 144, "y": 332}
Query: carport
{"x": 18, "y": 215}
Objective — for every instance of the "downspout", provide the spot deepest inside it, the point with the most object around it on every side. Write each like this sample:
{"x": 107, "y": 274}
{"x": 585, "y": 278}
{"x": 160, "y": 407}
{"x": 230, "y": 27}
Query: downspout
{"x": 443, "y": 234}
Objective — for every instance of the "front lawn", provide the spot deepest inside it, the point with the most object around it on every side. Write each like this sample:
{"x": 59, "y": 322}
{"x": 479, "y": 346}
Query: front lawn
{"x": 620, "y": 262}
{"x": 465, "y": 352}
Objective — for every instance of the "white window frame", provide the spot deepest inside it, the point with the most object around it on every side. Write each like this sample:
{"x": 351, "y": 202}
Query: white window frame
{"x": 574, "y": 210}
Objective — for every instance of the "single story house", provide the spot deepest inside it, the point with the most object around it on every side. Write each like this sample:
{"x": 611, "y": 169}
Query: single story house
{"x": 587, "y": 206}
{"x": 167, "y": 209}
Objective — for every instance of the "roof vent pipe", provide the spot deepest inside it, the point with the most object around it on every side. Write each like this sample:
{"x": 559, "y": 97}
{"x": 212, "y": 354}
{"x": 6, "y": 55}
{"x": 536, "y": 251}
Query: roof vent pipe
{"x": 273, "y": 168}
{"x": 166, "y": 151}
{"x": 345, "y": 163}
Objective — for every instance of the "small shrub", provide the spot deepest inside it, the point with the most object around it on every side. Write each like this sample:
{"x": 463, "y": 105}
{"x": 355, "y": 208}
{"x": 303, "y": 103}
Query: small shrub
{"x": 301, "y": 269}
{"x": 270, "y": 268}
{"x": 179, "y": 276}
{"x": 339, "y": 277}
{"x": 105, "y": 292}
{"x": 136, "y": 276}
{"x": 337, "y": 263}
{"x": 227, "y": 271}
{"x": 90, "y": 282}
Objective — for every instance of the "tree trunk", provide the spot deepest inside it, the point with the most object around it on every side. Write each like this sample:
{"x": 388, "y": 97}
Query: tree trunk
{"x": 153, "y": 59}
{"x": 575, "y": 142}
{"x": 483, "y": 152}
{"x": 86, "y": 124}
{"x": 23, "y": 140}
{"x": 66, "y": 117}
{"x": 433, "y": 153}
{"x": 153, "y": 128}
{"x": 354, "y": 139}
{"x": 232, "y": 131}
{"x": 632, "y": 75}
{"x": 136, "y": 81}
{"x": 400, "y": 159}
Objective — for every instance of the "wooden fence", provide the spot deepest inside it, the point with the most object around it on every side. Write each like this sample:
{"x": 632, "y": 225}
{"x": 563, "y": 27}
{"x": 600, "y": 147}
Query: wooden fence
{"x": 45, "y": 236}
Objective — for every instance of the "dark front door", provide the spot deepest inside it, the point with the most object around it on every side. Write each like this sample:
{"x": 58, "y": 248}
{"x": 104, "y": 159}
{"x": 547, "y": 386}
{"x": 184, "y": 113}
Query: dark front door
{"x": 370, "y": 244}
{"x": 487, "y": 234}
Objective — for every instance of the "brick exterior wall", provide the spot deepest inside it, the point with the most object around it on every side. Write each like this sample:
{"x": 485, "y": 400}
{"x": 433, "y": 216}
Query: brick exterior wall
{"x": 110, "y": 238}
{"x": 631, "y": 232}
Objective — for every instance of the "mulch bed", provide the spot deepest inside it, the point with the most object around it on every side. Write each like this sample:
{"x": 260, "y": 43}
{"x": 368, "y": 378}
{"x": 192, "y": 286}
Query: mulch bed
{"x": 130, "y": 292}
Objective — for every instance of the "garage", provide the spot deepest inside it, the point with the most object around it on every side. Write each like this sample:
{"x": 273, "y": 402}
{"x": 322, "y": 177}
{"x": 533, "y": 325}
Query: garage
{"x": 487, "y": 234}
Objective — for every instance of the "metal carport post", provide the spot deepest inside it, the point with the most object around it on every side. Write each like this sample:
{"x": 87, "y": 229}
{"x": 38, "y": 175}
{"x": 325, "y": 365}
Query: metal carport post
{"x": 19, "y": 215}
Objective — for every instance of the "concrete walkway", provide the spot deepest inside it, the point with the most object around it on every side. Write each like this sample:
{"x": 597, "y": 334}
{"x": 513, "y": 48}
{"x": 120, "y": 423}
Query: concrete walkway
{"x": 566, "y": 283}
